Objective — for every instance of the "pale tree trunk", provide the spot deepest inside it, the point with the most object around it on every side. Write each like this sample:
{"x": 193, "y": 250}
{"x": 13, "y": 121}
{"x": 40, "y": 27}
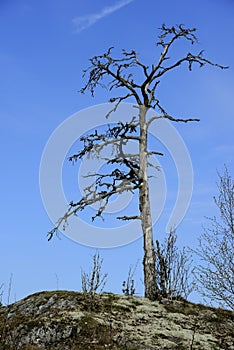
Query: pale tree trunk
{"x": 151, "y": 290}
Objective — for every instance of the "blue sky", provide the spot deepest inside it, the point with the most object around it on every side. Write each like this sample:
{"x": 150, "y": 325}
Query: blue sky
{"x": 44, "y": 48}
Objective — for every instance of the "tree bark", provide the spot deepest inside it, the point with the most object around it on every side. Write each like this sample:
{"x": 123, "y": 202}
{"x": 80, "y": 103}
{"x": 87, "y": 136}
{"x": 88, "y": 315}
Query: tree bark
{"x": 151, "y": 290}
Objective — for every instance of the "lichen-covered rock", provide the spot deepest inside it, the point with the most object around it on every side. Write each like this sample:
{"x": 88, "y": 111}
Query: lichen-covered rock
{"x": 63, "y": 320}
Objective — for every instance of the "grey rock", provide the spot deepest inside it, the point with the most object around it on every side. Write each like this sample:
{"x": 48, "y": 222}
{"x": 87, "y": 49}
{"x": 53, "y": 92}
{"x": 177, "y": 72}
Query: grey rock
{"x": 64, "y": 320}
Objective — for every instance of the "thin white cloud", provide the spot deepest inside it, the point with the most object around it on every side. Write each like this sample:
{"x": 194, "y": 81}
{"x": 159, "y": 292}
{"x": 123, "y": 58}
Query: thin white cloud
{"x": 82, "y": 22}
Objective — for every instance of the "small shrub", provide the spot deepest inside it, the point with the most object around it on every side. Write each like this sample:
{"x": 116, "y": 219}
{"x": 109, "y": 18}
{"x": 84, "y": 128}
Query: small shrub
{"x": 94, "y": 281}
{"x": 129, "y": 284}
{"x": 173, "y": 269}
{"x": 1, "y": 293}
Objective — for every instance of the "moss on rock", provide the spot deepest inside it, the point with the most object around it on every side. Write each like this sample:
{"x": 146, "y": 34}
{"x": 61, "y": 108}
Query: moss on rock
{"x": 64, "y": 320}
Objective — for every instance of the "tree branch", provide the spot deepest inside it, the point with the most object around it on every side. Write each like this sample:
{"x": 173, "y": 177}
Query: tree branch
{"x": 98, "y": 192}
{"x": 166, "y": 116}
{"x": 126, "y": 218}
{"x": 114, "y": 135}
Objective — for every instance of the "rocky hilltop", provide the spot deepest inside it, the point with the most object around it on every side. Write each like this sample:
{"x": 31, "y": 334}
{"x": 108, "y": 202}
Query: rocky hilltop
{"x": 63, "y": 320}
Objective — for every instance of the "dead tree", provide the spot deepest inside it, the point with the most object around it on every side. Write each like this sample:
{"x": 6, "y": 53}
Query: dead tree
{"x": 130, "y": 171}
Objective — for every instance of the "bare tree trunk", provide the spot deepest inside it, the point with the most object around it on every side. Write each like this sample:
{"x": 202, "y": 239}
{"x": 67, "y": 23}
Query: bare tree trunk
{"x": 151, "y": 290}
